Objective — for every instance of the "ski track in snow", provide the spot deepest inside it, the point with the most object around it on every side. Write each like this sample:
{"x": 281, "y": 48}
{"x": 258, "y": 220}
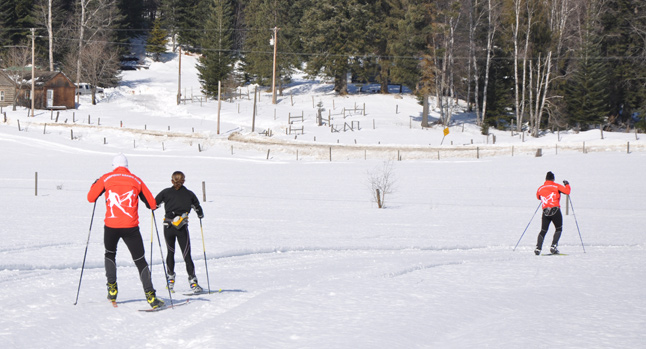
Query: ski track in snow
{"x": 214, "y": 258}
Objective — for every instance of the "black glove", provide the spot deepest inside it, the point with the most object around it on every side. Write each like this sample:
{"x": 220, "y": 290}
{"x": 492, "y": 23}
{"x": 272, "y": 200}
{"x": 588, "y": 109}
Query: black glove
{"x": 566, "y": 183}
{"x": 200, "y": 214}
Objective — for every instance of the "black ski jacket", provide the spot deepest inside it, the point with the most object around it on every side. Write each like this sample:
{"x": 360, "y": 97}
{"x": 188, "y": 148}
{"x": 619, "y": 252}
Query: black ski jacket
{"x": 178, "y": 202}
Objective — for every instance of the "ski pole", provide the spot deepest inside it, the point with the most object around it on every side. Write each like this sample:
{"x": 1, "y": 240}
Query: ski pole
{"x": 208, "y": 283}
{"x": 152, "y": 218}
{"x": 577, "y": 223}
{"x": 85, "y": 254}
{"x": 162, "y": 258}
{"x": 530, "y": 222}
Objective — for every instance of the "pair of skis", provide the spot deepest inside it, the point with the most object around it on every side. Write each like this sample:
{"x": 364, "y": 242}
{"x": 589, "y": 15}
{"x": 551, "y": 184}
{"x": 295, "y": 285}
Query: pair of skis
{"x": 169, "y": 306}
{"x": 175, "y": 304}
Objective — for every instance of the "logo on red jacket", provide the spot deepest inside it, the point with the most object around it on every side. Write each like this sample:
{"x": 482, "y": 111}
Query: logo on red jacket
{"x": 119, "y": 201}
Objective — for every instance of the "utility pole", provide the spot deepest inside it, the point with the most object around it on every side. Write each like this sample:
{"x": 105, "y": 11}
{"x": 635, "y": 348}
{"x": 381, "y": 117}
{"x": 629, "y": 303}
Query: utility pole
{"x": 273, "y": 79}
{"x": 33, "y": 70}
{"x": 179, "y": 78}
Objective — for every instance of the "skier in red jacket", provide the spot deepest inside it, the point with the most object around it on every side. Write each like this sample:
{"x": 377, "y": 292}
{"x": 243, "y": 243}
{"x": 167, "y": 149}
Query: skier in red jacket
{"x": 550, "y": 194}
{"x": 122, "y": 192}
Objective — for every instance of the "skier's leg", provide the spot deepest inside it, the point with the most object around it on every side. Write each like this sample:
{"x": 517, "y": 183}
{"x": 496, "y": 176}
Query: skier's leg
{"x": 184, "y": 241}
{"x": 545, "y": 224}
{"x": 557, "y": 219}
{"x": 110, "y": 240}
{"x": 135, "y": 244}
{"x": 169, "y": 237}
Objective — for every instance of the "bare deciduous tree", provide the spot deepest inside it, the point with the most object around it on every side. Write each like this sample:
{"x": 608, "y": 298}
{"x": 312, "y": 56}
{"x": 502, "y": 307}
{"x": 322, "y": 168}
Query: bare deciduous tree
{"x": 45, "y": 11}
{"x": 100, "y": 61}
{"x": 97, "y": 17}
{"x": 382, "y": 182}
{"x": 17, "y": 57}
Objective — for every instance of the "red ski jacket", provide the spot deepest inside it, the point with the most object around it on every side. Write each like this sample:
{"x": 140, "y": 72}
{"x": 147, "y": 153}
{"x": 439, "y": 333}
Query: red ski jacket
{"x": 122, "y": 190}
{"x": 550, "y": 194}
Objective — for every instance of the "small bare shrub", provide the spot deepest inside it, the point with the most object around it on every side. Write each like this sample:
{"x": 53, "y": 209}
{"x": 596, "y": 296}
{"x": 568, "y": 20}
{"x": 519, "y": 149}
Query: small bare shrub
{"x": 382, "y": 181}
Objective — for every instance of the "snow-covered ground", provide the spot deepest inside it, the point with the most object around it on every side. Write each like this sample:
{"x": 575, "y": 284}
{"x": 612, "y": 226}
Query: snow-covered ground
{"x": 300, "y": 255}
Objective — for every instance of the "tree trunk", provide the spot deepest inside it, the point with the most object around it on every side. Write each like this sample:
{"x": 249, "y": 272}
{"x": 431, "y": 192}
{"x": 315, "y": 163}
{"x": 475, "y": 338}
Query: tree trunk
{"x": 490, "y": 35}
{"x": 474, "y": 22}
{"x": 81, "y": 32}
{"x": 452, "y": 95}
{"x": 341, "y": 83}
{"x": 520, "y": 86}
{"x": 425, "y": 110}
{"x": 50, "y": 32}
{"x": 516, "y": 27}
{"x": 543, "y": 89}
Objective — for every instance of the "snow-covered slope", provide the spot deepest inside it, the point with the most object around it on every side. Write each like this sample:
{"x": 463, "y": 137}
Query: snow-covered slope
{"x": 298, "y": 252}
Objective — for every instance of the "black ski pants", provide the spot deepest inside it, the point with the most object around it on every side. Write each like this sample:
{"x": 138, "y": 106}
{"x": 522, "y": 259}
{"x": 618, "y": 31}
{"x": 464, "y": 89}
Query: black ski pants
{"x": 550, "y": 215}
{"x": 132, "y": 238}
{"x": 172, "y": 234}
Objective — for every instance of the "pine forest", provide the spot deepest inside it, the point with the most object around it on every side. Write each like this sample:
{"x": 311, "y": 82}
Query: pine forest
{"x": 529, "y": 65}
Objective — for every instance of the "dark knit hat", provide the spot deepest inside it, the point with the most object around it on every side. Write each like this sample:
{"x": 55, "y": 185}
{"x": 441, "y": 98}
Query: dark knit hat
{"x": 549, "y": 176}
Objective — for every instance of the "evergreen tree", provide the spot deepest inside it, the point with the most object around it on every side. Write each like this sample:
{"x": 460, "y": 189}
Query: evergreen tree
{"x": 258, "y": 54}
{"x": 134, "y": 15}
{"x": 499, "y": 97}
{"x": 623, "y": 26}
{"x": 408, "y": 24}
{"x": 169, "y": 15}
{"x": 191, "y": 16}
{"x": 216, "y": 62}
{"x": 157, "y": 40}
{"x": 16, "y": 18}
{"x": 587, "y": 93}
{"x": 261, "y": 17}
{"x": 332, "y": 33}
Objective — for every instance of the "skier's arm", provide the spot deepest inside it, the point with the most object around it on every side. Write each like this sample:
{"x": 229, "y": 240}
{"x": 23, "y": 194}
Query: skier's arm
{"x": 147, "y": 197}
{"x": 565, "y": 189}
{"x": 195, "y": 204}
{"x": 159, "y": 199}
{"x": 96, "y": 190}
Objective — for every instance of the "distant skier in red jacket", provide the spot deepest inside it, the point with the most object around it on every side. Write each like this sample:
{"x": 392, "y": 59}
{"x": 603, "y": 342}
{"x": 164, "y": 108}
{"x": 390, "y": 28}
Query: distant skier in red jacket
{"x": 122, "y": 193}
{"x": 550, "y": 194}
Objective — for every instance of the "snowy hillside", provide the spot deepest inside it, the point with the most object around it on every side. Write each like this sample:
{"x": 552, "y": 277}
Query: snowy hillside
{"x": 295, "y": 246}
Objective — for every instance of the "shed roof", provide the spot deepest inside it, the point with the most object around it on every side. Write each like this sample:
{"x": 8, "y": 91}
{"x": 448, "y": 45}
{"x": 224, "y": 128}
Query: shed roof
{"x": 5, "y": 79}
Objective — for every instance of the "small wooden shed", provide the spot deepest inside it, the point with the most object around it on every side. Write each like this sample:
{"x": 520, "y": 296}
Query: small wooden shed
{"x": 7, "y": 90}
{"x": 52, "y": 90}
